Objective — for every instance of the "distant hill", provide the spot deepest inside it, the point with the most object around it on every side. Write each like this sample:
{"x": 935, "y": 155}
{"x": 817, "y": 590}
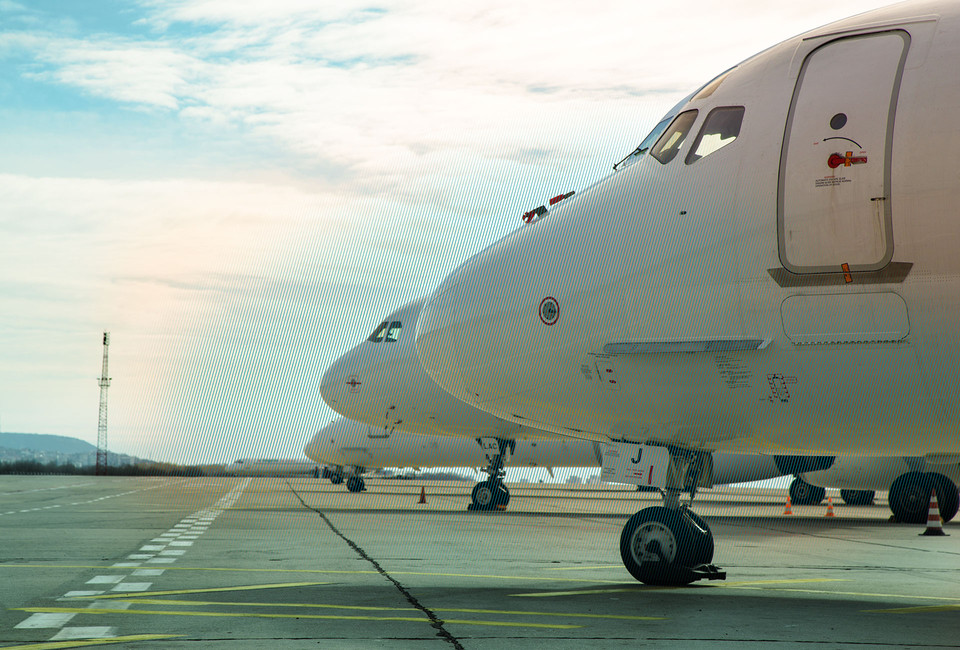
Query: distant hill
{"x": 45, "y": 442}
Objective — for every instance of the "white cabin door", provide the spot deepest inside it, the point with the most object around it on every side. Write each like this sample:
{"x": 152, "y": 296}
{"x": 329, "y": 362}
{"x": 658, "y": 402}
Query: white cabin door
{"x": 833, "y": 203}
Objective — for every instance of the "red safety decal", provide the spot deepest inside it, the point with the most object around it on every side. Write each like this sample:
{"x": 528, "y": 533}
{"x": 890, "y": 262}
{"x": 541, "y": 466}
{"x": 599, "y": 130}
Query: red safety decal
{"x": 835, "y": 160}
{"x": 846, "y": 272}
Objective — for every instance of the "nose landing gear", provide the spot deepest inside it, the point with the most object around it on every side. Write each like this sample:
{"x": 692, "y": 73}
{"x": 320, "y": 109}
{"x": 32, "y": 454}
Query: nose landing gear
{"x": 669, "y": 544}
{"x": 492, "y": 494}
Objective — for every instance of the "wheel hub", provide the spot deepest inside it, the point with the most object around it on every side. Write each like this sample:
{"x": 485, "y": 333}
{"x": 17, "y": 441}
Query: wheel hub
{"x": 650, "y": 538}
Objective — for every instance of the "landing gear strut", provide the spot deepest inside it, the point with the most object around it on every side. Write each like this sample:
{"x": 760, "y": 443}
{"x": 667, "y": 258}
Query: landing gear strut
{"x": 491, "y": 494}
{"x": 669, "y": 544}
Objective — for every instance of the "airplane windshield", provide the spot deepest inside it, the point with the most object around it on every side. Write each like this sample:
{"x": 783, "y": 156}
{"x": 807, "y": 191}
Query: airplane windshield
{"x": 669, "y": 143}
{"x": 378, "y": 333}
{"x": 393, "y": 333}
{"x": 721, "y": 127}
{"x": 647, "y": 141}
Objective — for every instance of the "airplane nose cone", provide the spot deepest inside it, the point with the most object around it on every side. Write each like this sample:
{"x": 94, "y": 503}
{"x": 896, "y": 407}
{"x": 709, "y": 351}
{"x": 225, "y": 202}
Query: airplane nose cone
{"x": 469, "y": 331}
{"x": 339, "y": 383}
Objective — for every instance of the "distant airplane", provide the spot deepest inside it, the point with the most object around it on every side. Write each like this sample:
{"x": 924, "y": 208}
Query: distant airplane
{"x": 774, "y": 270}
{"x": 346, "y": 450}
{"x": 271, "y": 467}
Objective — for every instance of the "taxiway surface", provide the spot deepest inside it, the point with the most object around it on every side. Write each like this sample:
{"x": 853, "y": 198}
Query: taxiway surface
{"x": 249, "y": 563}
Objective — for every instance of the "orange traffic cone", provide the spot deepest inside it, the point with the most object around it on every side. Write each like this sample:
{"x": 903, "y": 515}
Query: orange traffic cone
{"x": 934, "y": 522}
{"x": 423, "y": 495}
{"x": 829, "y": 508}
{"x": 787, "y": 509}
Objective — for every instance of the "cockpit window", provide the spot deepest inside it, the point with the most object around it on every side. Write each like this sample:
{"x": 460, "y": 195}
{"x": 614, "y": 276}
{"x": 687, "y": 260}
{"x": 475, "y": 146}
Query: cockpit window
{"x": 647, "y": 141}
{"x": 669, "y": 143}
{"x": 393, "y": 333}
{"x": 378, "y": 333}
{"x": 721, "y": 127}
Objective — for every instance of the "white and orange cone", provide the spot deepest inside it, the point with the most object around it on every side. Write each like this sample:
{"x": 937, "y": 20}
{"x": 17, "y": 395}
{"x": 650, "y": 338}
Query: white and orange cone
{"x": 934, "y": 522}
{"x": 829, "y": 508}
{"x": 787, "y": 509}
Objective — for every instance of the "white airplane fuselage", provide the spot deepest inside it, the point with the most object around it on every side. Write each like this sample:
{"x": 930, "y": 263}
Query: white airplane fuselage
{"x": 795, "y": 290}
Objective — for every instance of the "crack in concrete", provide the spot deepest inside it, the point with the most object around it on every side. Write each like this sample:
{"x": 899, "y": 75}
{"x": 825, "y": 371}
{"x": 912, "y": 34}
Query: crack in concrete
{"x": 435, "y": 621}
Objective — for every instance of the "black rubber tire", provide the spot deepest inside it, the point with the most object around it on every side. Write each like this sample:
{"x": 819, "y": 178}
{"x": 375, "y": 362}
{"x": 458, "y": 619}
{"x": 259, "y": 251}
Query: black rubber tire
{"x": 948, "y": 499}
{"x": 336, "y": 479}
{"x": 682, "y": 543}
{"x": 804, "y": 494}
{"x": 488, "y": 495}
{"x": 356, "y": 484}
{"x": 910, "y": 497}
{"x": 858, "y": 497}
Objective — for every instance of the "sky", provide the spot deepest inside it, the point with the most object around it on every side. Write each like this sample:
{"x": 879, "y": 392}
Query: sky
{"x": 239, "y": 190}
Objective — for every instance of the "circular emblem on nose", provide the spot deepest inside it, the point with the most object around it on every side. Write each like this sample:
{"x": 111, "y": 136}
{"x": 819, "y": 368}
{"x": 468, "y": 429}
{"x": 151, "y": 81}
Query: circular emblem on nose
{"x": 353, "y": 384}
{"x": 549, "y": 311}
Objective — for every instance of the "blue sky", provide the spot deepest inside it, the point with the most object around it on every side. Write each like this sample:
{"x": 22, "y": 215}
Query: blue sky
{"x": 238, "y": 191}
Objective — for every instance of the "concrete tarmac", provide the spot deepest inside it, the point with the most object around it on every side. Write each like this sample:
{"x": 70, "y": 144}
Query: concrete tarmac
{"x": 252, "y": 563}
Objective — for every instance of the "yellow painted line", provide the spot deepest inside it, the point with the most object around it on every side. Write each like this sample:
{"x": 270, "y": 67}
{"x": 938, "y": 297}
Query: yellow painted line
{"x": 779, "y": 582}
{"x": 147, "y": 612}
{"x": 584, "y": 591}
{"x": 585, "y": 568}
{"x": 731, "y": 585}
{"x": 914, "y": 610}
{"x": 54, "y": 645}
{"x": 852, "y": 593}
{"x": 177, "y": 592}
{"x": 511, "y": 612}
{"x": 313, "y": 571}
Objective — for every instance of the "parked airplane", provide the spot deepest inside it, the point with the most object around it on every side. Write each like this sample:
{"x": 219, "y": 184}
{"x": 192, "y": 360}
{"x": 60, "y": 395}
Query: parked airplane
{"x": 382, "y": 383}
{"x": 384, "y": 369}
{"x": 271, "y": 467}
{"x": 773, "y": 270}
{"x": 347, "y": 449}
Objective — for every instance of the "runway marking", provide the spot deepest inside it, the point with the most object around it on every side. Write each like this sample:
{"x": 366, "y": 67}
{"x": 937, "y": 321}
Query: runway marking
{"x": 419, "y": 619}
{"x": 585, "y": 568}
{"x": 509, "y": 612}
{"x": 914, "y": 610}
{"x": 177, "y": 592}
{"x": 851, "y": 593}
{"x": 316, "y": 571}
{"x": 639, "y": 587}
{"x": 87, "y": 632}
{"x": 57, "y": 645}
{"x": 38, "y": 621}
{"x": 586, "y": 592}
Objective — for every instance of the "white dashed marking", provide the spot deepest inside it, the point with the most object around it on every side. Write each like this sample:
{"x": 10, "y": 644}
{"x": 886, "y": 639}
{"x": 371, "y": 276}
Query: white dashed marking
{"x": 105, "y": 580}
{"x": 44, "y": 620}
{"x": 78, "y": 594}
{"x": 75, "y": 633}
{"x": 147, "y": 572}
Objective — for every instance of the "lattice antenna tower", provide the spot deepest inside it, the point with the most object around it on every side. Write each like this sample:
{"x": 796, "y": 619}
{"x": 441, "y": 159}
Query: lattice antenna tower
{"x": 104, "y": 382}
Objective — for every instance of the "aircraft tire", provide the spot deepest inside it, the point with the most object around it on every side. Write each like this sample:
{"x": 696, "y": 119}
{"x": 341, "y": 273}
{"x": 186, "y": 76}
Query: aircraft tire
{"x": 336, "y": 479}
{"x": 804, "y": 494}
{"x": 910, "y": 497}
{"x": 659, "y": 546}
{"x": 487, "y": 495}
{"x": 857, "y": 497}
{"x": 356, "y": 484}
{"x": 948, "y": 498}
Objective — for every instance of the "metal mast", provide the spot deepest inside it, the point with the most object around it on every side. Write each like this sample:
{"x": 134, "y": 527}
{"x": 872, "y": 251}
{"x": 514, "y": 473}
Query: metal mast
{"x": 104, "y": 382}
